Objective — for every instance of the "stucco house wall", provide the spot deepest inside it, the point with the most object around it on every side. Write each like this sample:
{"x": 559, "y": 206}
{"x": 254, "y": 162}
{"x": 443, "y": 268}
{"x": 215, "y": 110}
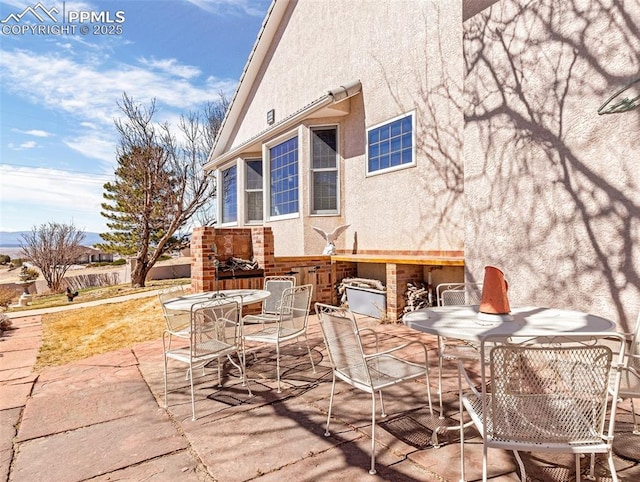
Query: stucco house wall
{"x": 319, "y": 46}
{"x": 552, "y": 188}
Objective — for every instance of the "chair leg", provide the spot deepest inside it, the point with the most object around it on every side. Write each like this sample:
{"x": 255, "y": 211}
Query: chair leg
{"x": 372, "y": 470}
{"x": 278, "y": 366}
{"x": 440, "y": 364}
{"x": 612, "y": 467}
{"x": 164, "y": 349}
{"x": 636, "y": 428}
{"x": 193, "y": 400}
{"x": 523, "y": 472}
{"x": 309, "y": 351}
{"x": 382, "y": 412}
{"x": 460, "y": 414}
{"x": 333, "y": 387}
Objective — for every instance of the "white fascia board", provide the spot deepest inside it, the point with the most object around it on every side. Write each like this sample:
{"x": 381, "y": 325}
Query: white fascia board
{"x": 247, "y": 78}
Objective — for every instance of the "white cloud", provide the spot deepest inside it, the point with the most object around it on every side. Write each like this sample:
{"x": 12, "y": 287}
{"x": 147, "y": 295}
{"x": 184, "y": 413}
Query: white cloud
{"x": 23, "y": 146}
{"x": 94, "y": 146}
{"x": 55, "y": 195}
{"x": 90, "y": 90}
{"x": 34, "y": 132}
{"x": 172, "y": 67}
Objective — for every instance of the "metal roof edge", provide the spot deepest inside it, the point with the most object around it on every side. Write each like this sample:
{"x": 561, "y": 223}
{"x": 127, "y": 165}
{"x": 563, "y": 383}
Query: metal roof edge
{"x": 333, "y": 96}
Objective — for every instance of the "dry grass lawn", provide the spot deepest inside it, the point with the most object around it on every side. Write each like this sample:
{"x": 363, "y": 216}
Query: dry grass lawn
{"x": 76, "y": 334}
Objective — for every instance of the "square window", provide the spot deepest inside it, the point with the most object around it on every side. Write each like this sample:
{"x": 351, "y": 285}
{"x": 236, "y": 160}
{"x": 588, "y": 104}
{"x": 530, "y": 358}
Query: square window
{"x": 390, "y": 144}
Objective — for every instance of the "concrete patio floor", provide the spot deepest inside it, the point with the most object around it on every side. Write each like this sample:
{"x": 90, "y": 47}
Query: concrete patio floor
{"x": 102, "y": 419}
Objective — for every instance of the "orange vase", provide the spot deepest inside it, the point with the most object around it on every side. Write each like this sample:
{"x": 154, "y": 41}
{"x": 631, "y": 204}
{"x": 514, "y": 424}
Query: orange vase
{"x": 494, "y": 292}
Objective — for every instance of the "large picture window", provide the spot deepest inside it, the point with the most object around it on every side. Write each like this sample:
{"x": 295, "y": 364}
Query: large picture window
{"x": 253, "y": 190}
{"x": 283, "y": 171}
{"x": 324, "y": 170}
{"x": 390, "y": 145}
{"x": 229, "y": 184}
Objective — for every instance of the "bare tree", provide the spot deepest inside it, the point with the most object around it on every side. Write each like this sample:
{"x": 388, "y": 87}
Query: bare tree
{"x": 159, "y": 185}
{"x": 53, "y": 248}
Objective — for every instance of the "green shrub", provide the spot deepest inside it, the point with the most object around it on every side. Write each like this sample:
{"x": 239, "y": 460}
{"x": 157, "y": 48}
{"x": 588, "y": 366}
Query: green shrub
{"x": 5, "y": 259}
{"x": 119, "y": 262}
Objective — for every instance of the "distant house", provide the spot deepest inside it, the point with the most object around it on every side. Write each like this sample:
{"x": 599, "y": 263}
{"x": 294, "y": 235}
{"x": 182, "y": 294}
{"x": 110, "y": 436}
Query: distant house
{"x": 93, "y": 255}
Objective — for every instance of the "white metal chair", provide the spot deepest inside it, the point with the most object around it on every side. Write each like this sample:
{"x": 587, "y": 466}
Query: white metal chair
{"x": 290, "y": 324}
{"x": 215, "y": 333}
{"x": 371, "y": 372}
{"x": 176, "y": 322}
{"x": 545, "y": 394}
{"x": 276, "y": 285}
{"x": 455, "y": 294}
{"x": 630, "y": 382}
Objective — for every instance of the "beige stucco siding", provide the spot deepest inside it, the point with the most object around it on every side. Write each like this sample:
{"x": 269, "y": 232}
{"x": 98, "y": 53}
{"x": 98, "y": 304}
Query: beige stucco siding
{"x": 407, "y": 55}
{"x": 552, "y": 188}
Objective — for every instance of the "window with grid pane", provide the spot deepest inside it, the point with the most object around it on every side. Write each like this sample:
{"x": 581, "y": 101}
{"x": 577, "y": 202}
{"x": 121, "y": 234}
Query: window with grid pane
{"x": 283, "y": 169}
{"x": 253, "y": 190}
{"x": 229, "y": 195}
{"x": 324, "y": 170}
{"x": 390, "y": 145}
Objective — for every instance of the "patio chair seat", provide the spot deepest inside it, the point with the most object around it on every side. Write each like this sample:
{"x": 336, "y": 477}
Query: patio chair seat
{"x": 215, "y": 331}
{"x": 370, "y": 372}
{"x": 291, "y": 323}
{"x": 384, "y": 371}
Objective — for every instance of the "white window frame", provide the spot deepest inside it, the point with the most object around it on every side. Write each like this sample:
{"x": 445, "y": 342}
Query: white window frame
{"x": 221, "y": 194}
{"x": 413, "y": 145}
{"x": 267, "y": 178}
{"x": 332, "y": 212}
{"x": 246, "y": 190}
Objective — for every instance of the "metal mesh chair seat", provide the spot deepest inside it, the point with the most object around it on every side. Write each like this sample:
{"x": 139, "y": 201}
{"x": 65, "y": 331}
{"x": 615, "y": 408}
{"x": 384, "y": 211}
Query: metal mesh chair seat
{"x": 215, "y": 333}
{"x": 388, "y": 370}
{"x": 291, "y": 323}
{"x": 203, "y": 352}
{"x": 369, "y": 372}
{"x": 537, "y": 421}
{"x": 547, "y": 394}
{"x": 460, "y": 350}
{"x": 271, "y": 334}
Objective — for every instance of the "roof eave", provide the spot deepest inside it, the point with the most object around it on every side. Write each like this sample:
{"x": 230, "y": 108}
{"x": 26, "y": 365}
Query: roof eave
{"x": 332, "y": 97}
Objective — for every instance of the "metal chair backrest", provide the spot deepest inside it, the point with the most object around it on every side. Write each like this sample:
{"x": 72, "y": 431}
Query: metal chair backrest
{"x": 294, "y": 308}
{"x": 449, "y": 294}
{"x": 341, "y": 337}
{"x": 216, "y": 327}
{"x": 175, "y": 321}
{"x": 170, "y": 294}
{"x": 276, "y": 285}
{"x": 630, "y": 384}
{"x": 549, "y": 391}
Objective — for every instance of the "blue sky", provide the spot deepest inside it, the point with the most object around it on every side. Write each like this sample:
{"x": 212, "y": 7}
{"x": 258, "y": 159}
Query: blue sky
{"x": 59, "y": 91}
